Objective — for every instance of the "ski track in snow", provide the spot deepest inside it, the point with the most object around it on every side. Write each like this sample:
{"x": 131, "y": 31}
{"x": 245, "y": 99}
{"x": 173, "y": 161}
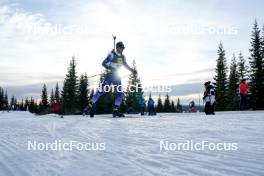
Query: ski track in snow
{"x": 132, "y": 144}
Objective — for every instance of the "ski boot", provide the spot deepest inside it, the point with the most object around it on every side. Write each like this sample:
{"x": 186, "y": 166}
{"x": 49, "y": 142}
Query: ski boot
{"x": 92, "y": 109}
{"x": 117, "y": 113}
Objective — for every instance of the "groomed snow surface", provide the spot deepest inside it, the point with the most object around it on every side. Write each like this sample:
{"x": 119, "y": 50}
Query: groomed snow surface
{"x": 131, "y": 146}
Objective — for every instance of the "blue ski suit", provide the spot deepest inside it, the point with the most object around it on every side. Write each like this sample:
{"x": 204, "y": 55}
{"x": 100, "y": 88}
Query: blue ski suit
{"x": 112, "y": 63}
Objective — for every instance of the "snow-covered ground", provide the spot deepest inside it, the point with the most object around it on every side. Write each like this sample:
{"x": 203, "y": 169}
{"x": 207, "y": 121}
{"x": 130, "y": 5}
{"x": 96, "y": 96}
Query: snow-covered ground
{"x": 132, "y": 145}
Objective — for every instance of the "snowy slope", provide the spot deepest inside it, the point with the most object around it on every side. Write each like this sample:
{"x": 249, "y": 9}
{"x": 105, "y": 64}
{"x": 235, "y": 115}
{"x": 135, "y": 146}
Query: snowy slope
{"x": 132, "y": 145}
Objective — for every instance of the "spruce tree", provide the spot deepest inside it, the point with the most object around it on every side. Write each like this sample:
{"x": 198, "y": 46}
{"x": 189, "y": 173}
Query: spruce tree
{"x": 221, "y": 80}
{"x": 134, "y": 92}
{"x": 57, "y": 92}
{"x": 167, "y": 105}
{"x": 39, "y": 109}
{"x": 262, "y": 56}
{"x": 27, "y": 104}
{"x": 32, "y": 105}
{"x": 242, "y": 67}
{"x": 12, "y": 102}
{"x": 232, "y": 93}
{"x": 159, "y": 105}
{"x": 179, "y": 106}
{"x": 83, "y": 92}
{"x": 44, "y": 97}
{"x": 70, "y": 90}
{"x": 52, "y": 98}
{"x": 1, "y": 98}
{"x": 262, "y": 44}
{"x": 6, "y": 98}
{"x": 256, "y": 69}
{"x": 173, "y": 107}
{"x": 21, "y": 106}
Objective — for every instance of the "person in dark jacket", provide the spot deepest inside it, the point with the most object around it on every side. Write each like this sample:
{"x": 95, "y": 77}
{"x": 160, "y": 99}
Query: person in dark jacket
{"x": 192, "y": 107}
{"x": 151, "y": 109}
{"x": 209, "y": 98}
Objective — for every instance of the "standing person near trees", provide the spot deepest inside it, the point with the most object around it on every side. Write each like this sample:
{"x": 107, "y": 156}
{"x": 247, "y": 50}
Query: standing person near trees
{"x": 151, "y": 108}
{"x": 209, "y": 98}
{"x": 56, "y": 108}
{"x": 243, "y": 90}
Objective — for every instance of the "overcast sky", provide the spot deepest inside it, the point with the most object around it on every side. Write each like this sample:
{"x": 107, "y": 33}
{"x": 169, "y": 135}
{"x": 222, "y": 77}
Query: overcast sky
{"x": 174, "y": 42}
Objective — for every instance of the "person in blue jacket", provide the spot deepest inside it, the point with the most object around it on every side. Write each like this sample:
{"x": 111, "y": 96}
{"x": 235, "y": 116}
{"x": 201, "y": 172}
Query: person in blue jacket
{"x": 151, "y": 109}
{"x": 112, "y": 63}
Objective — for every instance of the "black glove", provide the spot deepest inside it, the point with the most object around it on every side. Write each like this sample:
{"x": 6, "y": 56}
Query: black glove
{"x": 134, "y": 71}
